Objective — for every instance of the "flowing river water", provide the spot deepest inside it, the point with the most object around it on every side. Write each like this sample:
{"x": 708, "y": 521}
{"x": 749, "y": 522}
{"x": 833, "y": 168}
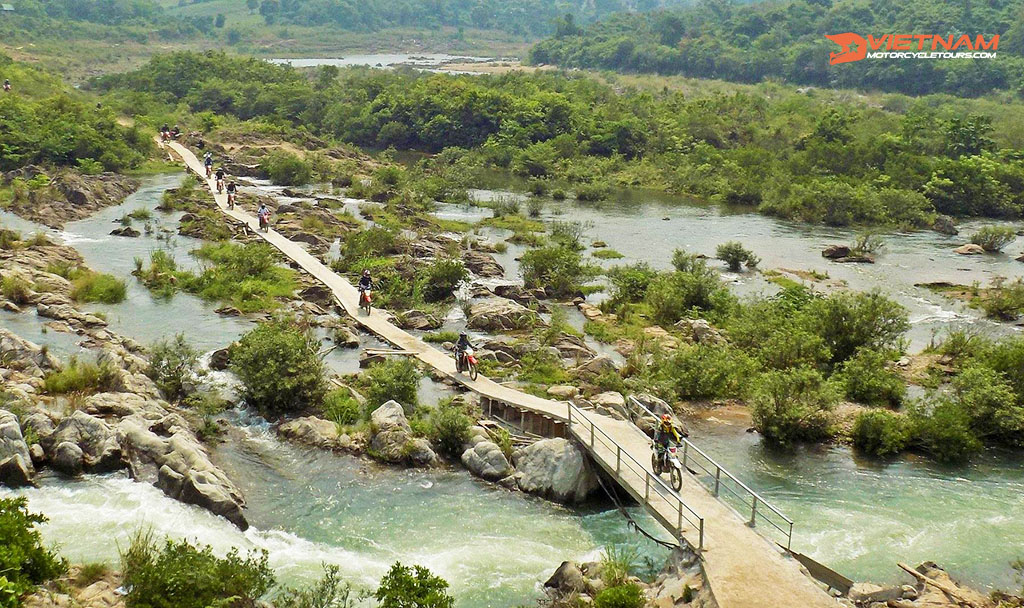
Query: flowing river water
{"x": 309, "y": 507}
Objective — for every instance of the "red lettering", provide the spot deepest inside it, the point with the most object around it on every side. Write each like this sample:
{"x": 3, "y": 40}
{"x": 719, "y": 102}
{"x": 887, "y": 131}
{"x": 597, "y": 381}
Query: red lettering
{"x": 939, "y": 40}
{"x": 900, "y": 42}
{"x": 920, "y": 40}
{"x": 992, "y": 44}
{"x": 876, "y": 42}
{"x": 965, "y": 39}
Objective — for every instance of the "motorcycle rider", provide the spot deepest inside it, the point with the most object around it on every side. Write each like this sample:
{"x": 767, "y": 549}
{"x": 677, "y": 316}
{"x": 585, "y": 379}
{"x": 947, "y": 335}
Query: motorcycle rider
{"x": 263, "y": 213}
{"x": 461, "y": 346}
{"x": 232, "y": 190}
{"x": 365, "y": 284}
{"x": 165, "y": 132}
{"x": 175, "y": 132}
{"x": 220, "y": 179}
{"x": 666, "y": 434}
{"x": 208, "y": 162}
{"x": 7, "y": 85}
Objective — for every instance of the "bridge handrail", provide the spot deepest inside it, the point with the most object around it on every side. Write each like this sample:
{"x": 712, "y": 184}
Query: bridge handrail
{"x": 755, "y": 498}
{"x": 668, "y": 493}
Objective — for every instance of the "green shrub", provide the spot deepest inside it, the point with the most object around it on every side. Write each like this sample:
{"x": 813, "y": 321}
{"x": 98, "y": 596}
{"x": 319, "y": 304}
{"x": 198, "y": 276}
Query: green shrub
{"x": 847, "y": 321}
{"x": 991, "y": 404}
{"x": 1004, "y": 300}
{"x": 91, "y": 572}
{"x": 558, "y": 269}
{"x": 672, "y": 296}
{"x": 597, "y": 191}
{"x": 505, "y": 205}
{"x": 943, "y": 428}
{"x": 558, "y": 194}
{"x": 368, "y": 243}
{"x": 340, "y": 407}
{"x": 607, "y": 254}
{"x": 701, "y": 371}
{"x": 394, "y": 379}
{"x": 286, "y": 169}
{"x": 439, "y": 337}
{"x": 630, "y": 283}
{"x": 867, "y": 243}
{"x": 416, "y": 587}
{"x": 280, "y": 368}
{"x": 735, "y": 256}
{"x": 793, "y": 405}
{"x": 24, "y": 562}
{"x": 247, "y": 276}
{"x": 442, "y": 277}
{"x": 994, "y": 238}
{"x": 569, "y": 234}
{"x": 868, "y": 378}
{"x": 98, "y": 287}
{"x": 881, "y": 432}
{"x": 623, "y": 596}
{"x": 328, "y": 592}
{"x": 79, "y": 377}
{"x": 535, "y": 207}
{"x": 171, "y": 362}
{"x": 16, "y": 289}
{"x": 617, "y": 565}
{"x": 543, "y": 367}
{"x": 450, "y": 428}
{"x": 180, "y": 575}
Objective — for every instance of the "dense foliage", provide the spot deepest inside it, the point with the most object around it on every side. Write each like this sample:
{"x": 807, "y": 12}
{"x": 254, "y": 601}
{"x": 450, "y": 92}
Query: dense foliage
{"x": 817, "y": 160}
{"x": 280, "y": 367}
{"x": 394, "y": 379}
{"x": 171, "y": 363}
{"x": 24, "y": 561}
{"x": 415, "y": 587}
{"x": 786, "y": 40}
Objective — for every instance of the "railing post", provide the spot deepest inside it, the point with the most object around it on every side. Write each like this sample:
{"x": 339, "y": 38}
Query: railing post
{"x": 569, "y": 418}
{"x": 686, "y": 445}
{"x": 647, "y": 487}
{"x": 591, "y": 435}
{"x": 701, "y": 541}
{"x": 789, "y": 540}
{"x": 679, "y": 523}
{"x": 718, "y": 479}
{"x": 753, "y": 513}
{"x": 618, "y": 459}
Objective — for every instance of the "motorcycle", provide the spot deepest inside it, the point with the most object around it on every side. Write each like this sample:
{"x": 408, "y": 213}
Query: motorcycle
{"x": 264, "y": 222}
{"x": 209, "y": 171}
{"x": 365, "y": 300}
{"x": 165, "y": 135}
{"x": 466, "y": 360}
{"x": 220, "y": 186}
{"x": 666, "y": 460}
{"x": 231, "y": 200}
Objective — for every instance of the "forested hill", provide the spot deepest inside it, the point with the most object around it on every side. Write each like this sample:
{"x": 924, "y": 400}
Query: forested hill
{"x": 110, "y": 20}
{"x": 785, "y": 40}
{"x": 527, "y": 17}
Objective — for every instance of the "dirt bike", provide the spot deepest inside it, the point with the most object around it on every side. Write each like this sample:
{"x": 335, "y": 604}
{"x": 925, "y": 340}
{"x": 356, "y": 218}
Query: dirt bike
{"x": 365, "y": 300}
{"x": 220, "y": 186}
{"x": 264, "y": 222}
{"x": 466, "y": 361}
{"x": 665, "y": 460}
{"x": 231, "y": 200}
{"x": 209, "y": 171}
{"x": 165, "y": 135}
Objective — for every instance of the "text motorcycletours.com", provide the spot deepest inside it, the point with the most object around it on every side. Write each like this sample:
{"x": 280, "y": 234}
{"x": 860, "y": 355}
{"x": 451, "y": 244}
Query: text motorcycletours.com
{"x": 887, "y": 55}
{"x": 855, "y": 47}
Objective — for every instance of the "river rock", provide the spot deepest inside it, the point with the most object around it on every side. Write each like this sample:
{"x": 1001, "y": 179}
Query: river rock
{"x": 945, "y": 225}
{"x": 67, "y": 458}
{"x": 220, "y": 359}
{"x": 482, "y": 264}
{"x": 600, "y": 364}
{"x": 573, "y": 347}
{"x": 500, "y": 314}
{"x": 487, "y": 461}
{"x": 126, "y": 231}
{"x": 1020, "y": 258}
{"x": 392, "y": 437}
{"x": 563, "y": 391}
{"x": 16, "y": 467}
{"x": 834, "y": 252}
{"x": 317, "y": 294}
{"x": 520, "y": 293}
{"x": 100, "y": 451}
{"x": 555, "y": 469}
{"x": 969, "y": 249}
{"x": 567, "y": 579}
{"x": 345, "y": 337}
{"x": 315, "y": 432}
{"x": 417, "y": 319}
{"x": 24, "y": 356}
{"x": 700, "y": 331}
{"x": 612, "y": 401}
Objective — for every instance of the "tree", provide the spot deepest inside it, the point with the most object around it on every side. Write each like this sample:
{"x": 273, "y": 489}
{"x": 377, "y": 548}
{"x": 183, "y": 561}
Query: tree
{"x": 794, "y": 405}
{"x": 171, "y": 363}
{"x": 24, "y": 561}
{"x": 252, "y": 5}
{"x": 848, "y": 321}
{"x": 558, "y": 269}
{"x": 969, "y": 136}
{"x": 735, "y": 255}
{"x": 219, "y": 20}
{"x": 416, "y": 587}
{"x": 280, "y": 368}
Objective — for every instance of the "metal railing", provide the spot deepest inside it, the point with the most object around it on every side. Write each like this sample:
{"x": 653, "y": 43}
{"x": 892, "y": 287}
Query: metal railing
{"x": 751, "y": 506}
{"x": 625, "y": 462}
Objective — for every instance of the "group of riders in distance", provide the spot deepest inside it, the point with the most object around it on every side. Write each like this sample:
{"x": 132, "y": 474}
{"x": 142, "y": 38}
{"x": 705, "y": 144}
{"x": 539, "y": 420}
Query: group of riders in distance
{"x": 667, "y": 436}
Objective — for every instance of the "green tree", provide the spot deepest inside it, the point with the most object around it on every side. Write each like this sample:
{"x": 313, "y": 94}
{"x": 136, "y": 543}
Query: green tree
{"x": 794, "y": 405}
{"x": 558, "y": 270}
{"x": 280, "y": 367}
{"x": 415, "y": 587}
{"x": 171, "y": 363}
{"x": 393, "y": 380}
{"x": 847, "y": 321}
{"x": 24, "y": 561}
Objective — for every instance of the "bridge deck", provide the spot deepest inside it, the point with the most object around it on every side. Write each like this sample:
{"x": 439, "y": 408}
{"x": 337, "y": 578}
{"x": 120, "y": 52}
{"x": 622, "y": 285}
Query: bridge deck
{"x": 744, "y": 570}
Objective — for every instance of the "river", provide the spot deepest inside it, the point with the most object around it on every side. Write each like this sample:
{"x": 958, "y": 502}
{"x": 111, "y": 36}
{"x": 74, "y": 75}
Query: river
{"x": 307, "y": 507}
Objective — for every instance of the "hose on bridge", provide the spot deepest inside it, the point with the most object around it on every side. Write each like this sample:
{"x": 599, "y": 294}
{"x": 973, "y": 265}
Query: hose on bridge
{"x": 630, "y": 522}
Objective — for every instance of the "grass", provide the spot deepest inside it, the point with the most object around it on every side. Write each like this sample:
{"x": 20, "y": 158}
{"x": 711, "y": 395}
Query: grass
{"x": 16, "y": 289}
{"x": 607, "y": 254}
{"x": 98, "y": 287}
{"x": 439, "y": 337}
{"x": 79, "y": 377}
{"x": 90, "y": 573}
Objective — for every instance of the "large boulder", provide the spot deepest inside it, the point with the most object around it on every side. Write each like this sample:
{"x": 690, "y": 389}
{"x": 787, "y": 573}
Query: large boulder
{"x": 555, "y": 469}
{"x": 567, "y": 579}
{"x": 392, "y": 437}
{"x": 16, "y": 468}
{"x": 834, "y": 252}
{"x": 24, "y": 356}
{"x": 573, "y": 347}
{"x": 945, "y": 225}
{"x": 417, "y": 319}
{"x": 600, "y": 364}
{"x": 610, "y": 403}
{"x": 97, "y": 442}
{"x": 700, "y": 331}
{"x": 316, "y": 432}
{"x": 500, "y": 314}
{"x": 486, "y": 460}
{"x": 969, "y": 249}
{"x": 482, "y": 264}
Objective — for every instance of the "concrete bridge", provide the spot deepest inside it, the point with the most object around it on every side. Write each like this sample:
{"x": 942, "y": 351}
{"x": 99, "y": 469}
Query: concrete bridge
{"x": 743, "y": 569}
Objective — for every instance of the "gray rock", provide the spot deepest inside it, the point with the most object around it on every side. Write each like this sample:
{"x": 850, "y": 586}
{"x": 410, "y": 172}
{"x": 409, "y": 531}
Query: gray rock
{"x": 482, "y": 264}
{"x": 67, "y": 458}
{"x": 486, "y": 460}
{"x": 419, "y": 452}
{"x": 555, "y": 469}
{"x": 220, "y": 359}
{"x": 700, "y": 331}
{"x": 127, "y": 231}
{"x": 16, "y": 471}
{"x": 345, "y": 338}
{"x": 392, "y": 437}
{"x": 16, "y": 468}
{"x": 24, "y": 356}
{"x": 969, "y": 249}
{"x": 597, "y": 366}
{"x": 95, "y": 439}
{"x": 944, "y": 224}
{"x": 313, "y": 431}
{"x": 417, "y": 319}
{"x": 567, "y": 579}
{"x": 500, "y": 314}
{"x": 834, "y": 252}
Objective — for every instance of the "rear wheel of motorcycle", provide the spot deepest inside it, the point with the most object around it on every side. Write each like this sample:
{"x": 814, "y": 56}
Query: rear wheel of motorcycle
{"x": 472, "y": 372}
{"x": 676, "y": 479}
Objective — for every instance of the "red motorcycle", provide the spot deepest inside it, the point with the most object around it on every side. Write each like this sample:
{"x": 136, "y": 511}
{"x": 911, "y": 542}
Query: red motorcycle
{"x": 465, "y": 360}
{"x": 231, "y": 200}
{"x": 365, "y": 300}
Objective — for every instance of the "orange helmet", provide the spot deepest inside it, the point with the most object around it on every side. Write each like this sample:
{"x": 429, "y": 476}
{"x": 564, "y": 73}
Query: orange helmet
{"x": 666, "y": 418}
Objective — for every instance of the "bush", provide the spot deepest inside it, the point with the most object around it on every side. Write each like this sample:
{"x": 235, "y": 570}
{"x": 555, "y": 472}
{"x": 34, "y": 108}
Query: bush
{"x": 701, "y": 371}
{"x": 674, "y": 295}
{"x": 1004, "y": 300}
{"x": 735, "y": 255}
{"x": 991, "y": 404}
{"x": 505, "y": 205}
{"x": 597, "y": 191}
{"x": 394, "y": 379}
{"x": 440, "y": 337}
{"x": 943, "y": 428}
{"x": 79, "y": 377}
{"x": 617, "y": 565}
{"x": 16, "y": 289}
{"x": 868, "y": 378}
{"x": 180, "y": 575}
{"x": 328, "y": 592}
{"x": 450, "y": 426}
{"x": 340, "y": 407}
{"x": 534, "y": 207}
{"x": 368, "y": 243}
{"x": 171, "y": 362}
{"x": 280, "y": 368}
{"x": 286, "y": 169}
{"x": 994, "y": 238}
{"x": 416, "y": 587}
{"x": 793, "y": 405}
{"x": 442, "y": 278}
{"x": 847, "y": 321}
{"x": 569, "y": 234}
{"x": 24, "y": 562}
{"x": 866, "y": 243}
{"x": 624, "y": 596}
{"x": 630, "y": 283}
{"x": 97, "y": 287}
{"x": 558, "y": 269}
{"x": 881, "y": 432}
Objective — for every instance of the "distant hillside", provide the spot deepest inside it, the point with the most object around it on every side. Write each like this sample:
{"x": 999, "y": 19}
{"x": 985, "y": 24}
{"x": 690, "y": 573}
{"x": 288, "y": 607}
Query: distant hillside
{"x": 786, "y": 40}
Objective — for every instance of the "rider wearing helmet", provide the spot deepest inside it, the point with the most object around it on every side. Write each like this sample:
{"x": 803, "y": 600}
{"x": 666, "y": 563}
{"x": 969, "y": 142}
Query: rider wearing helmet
{"x": 365, "y": 281}
{"x": 463, "y": 343}
{"x": 667, "y": 434}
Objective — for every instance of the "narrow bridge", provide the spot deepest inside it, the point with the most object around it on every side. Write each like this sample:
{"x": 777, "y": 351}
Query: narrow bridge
{"x": 743, "y": 569}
